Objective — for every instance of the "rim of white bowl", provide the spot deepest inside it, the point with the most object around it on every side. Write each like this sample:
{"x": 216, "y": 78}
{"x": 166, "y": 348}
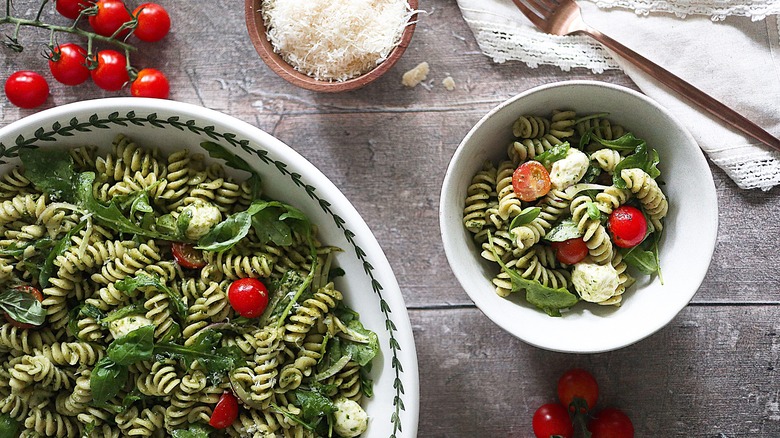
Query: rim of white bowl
{"x": 708, "y": 189}
{"x": 357, "y": 224}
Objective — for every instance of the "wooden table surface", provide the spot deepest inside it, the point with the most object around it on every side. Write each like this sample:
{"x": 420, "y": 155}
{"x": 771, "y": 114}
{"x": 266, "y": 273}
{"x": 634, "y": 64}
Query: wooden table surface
{"x": 710, "y": 373}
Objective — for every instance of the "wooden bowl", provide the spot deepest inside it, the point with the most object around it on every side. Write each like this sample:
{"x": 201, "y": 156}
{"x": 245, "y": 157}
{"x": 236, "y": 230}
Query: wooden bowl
{"x": 257, "y": 33}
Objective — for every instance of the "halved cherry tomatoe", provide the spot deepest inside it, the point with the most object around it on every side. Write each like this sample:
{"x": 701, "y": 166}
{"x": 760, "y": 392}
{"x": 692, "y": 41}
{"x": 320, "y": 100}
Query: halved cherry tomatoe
{"x": 248, "y": 297}
{"x": 225, "y": 412}
{"x": 36, "y": 294}
{"x": 628, "y": 226}
{"x": 531, "y": 181}
{"x": 570, "y": 251}
{"x": 187, "y": 256}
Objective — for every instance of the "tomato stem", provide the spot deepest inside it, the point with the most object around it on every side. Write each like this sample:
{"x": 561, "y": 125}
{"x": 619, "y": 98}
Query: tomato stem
{"x": 19, "y": 22}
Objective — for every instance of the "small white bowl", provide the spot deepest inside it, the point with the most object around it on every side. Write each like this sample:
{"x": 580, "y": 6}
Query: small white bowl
{"x": 685, "y": 250}
{"x": 369, "y": 286}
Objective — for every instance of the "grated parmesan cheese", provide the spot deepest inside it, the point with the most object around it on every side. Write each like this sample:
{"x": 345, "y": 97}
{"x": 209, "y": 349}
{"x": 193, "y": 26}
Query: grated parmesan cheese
{"x": 416, "y": 75}
{"x": 335, "y": 40}
{"x": 448, "y": 83}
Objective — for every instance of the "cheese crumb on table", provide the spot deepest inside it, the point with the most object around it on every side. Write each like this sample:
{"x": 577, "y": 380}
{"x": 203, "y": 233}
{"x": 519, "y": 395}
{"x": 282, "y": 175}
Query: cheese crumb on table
{"x": 448, "y": 83}
{"x": 416, "y": 75}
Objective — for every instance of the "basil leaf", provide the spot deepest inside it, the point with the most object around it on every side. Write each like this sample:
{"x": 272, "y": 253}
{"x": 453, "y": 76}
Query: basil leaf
{"x": 107, "y": 379}
{"x": 525, "y": 217}
{"x": 129, "y": 285}
{"x": 50, "y": 171}
{"x": 565, "y": 230}
{"x": 134, "y": 347}
{"x": 9, "y": 428}
{"x": 642, "y": 260}
{"x": 593, "y": 211}
{"x": 557, "y": 152}
{"x": 217, "y": 151}
{"x": 22, "y": 307}
{"x": 59, "y": 249}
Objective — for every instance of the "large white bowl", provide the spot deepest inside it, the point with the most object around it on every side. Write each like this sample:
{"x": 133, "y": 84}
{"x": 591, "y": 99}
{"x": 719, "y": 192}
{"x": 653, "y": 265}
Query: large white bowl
{"x": 685, "y": 250}
{"x": 369, "y": 284}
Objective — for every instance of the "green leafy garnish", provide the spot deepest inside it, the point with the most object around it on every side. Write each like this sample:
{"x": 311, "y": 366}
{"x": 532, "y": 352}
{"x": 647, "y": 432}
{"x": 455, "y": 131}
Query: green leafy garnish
{"x": 593, "y": 172}
{"x": 134, "y": 347}
{"x": 133, "y": 309}
{"x": 314, "y": 406}
{"x": 107, "y": 379}
{"x": 626, "y": 142}
{"x": 9, "y": 428}
{"x": 593, "y": 211}
{"x": 194, "y": 431}
{"x": 217, "y": 151}
{"x": 525, "y": 217}
{"x": 59, "y": 248}
{"x": 557, "y": 152}
{"x": 550, "y": 300}
{"x": 50, "y": 171}
{"x": 565, "y": 230}
{"x": 215, "y": 361}
{"x": 22, "y": 307}
{"x": 643, "y": 158}
{"x": 129, "y": 285}
{"x": 644, "y": 257}
{"x": 362, "y": 344}
{"x": 83, "y": 310}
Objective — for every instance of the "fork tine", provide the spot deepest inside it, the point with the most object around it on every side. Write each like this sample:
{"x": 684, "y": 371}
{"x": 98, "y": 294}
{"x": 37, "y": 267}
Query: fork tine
{"x": 537, "y": 20}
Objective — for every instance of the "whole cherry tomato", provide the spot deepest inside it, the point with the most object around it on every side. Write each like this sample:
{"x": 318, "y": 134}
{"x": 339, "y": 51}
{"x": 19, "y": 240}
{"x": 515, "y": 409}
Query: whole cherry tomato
{"x": 628, "y": 226}
{"x": 552, "y": 420}
{"x": 248, "y": 297}
{"x": 32, "y": 291}
{"x": 570, "y": 251}
{"x": 187, "y": 256}
{"x": 577, "y": 388}
{"x": 26, "y": 89}
{"x": 531, "y": 181}
{"x": 611, "y": 423}
{"x": 225, "y": 412}
{"x": 111, "y": 72}
{"x": 71, "y": 8}
{"x": 150, "y": 83}
{"x": 153, "y": 22}
{"x": 111, "y": 15}
{"x": 68, "y": 64}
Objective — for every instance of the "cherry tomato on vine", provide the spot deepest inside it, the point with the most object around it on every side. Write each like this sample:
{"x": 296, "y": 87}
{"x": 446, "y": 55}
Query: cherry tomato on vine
{"x": 153, "y": 22}
{"x": 187, "y": 256}
{"x": 570, "y": 251}
{"x": 552, "y": 420}
{"x": 577, "y": 388}
{"x": 531, "y": 181}
{"x": 111, "y": 15}
{"x": 611, "y": 423}
{"x": 26, "y": 89}
{"x": 150, "y": 83}
{"x": 32, "y": 291}
{"x": 71, "y": 8}
{"x": 628, "y": 226}
{"x": 111, "y": 72}
{"x": 225, "y": 412}
{"x": 248, "y": 297}
{"x": 70, "y": 67}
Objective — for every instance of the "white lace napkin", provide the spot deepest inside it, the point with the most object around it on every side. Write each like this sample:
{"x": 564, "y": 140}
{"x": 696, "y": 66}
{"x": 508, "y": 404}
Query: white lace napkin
{"x": 729, "y": 49}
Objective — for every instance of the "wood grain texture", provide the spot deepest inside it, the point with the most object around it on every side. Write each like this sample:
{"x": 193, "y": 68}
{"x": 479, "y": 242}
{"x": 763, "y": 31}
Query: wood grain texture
{"x": 710, "y": 373}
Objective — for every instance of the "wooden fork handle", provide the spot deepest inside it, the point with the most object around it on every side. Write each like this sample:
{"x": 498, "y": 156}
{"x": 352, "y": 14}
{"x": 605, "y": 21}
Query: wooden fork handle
{"x": 693, "y": 94}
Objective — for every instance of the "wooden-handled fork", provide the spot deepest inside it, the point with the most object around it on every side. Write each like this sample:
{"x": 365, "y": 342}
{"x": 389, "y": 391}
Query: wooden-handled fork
{"x": 563, "y": 17}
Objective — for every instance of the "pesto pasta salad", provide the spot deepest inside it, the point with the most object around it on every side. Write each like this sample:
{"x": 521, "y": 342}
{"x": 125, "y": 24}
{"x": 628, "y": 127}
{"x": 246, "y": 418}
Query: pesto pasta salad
{"x": 575, "y": 202}
{"x": 152, "y": 295}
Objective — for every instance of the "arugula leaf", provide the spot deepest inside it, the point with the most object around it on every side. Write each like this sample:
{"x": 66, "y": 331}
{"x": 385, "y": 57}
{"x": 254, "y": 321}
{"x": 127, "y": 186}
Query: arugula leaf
{"x": 314, "y": 405}
{"x": 626, "y": 142}
{"x": 592, "y": 173}
{"x": 129, "y": 285}
{"x": 557, "y": 152}
{"x": 548, "y": 299}
{"x": 87, "y": 310}
{"x": 136, "y": 201}
{"x": 133, "y": 309}
{"x": 133, "y": 347}
{"x": 59, "y": 248}
{"x": 22, "y": 307}
{"x": 565, "y": 230}
{"x": 9, "y": 428}
{"x": 366, "y": 384}
{"x": 107, "y": 379}
{"x": 643, "y": 158}
{"x": 231, "y": 230}
{"x": 50, "y": 171}
{"x": 526, "y": 216}
{"x": 362, "y": 350}
{"x": 217, "y": 151}
{"x": 215, "y": 361}
{"x": 644, "y": 257}
{"x": 194, "y": 431}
